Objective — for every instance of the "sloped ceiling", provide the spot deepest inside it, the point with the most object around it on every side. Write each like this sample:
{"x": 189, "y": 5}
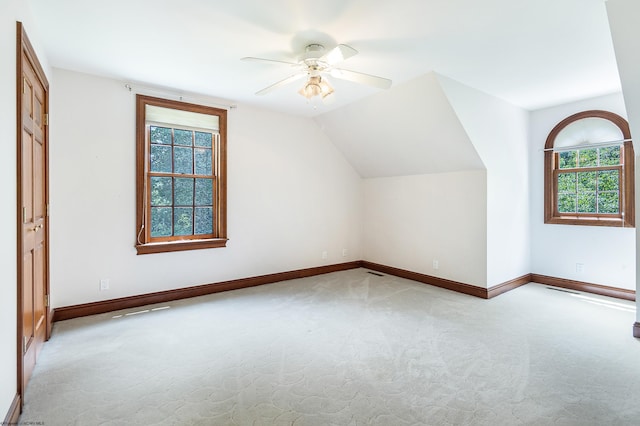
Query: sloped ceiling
{"x": 410, "y": 129}
{"x": 623, "y": 15}
{"x": 532, "y": 53}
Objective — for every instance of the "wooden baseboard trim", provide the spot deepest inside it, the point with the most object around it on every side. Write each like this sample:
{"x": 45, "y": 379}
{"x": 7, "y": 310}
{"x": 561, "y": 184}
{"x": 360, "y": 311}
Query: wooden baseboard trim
{"x": 50, "y": 318}
{"x": 428, "y": 279}
{"x": 636, "y": 329}
{"x": 471, "y": 290}
{"x": 506, "y": 286}
{"x": 603, "y": 290}
{"x": 14, "y": 411}
{"x": 75, "y": 311}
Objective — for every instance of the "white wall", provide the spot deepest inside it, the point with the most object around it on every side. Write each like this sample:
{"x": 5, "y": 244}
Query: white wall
{"x": 625, "y": 32}
{"x": 291, "y": 195}
{"x": 411, "y": 220}
{"x": 499, "y": 131}
{"x": 409, "y": 129}
{"x": 10, "y": 12}
{"x": 608, "y": 254}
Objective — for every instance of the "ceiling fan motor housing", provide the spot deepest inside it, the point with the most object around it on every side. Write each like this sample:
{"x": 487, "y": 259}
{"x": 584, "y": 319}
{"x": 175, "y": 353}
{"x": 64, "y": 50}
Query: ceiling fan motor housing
{"x": 312, "y": 53}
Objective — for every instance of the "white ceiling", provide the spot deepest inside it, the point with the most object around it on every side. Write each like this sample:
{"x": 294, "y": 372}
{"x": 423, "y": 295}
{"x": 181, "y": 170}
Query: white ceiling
{"x": 532, "y": 53}
{"x": 409, "y": 130}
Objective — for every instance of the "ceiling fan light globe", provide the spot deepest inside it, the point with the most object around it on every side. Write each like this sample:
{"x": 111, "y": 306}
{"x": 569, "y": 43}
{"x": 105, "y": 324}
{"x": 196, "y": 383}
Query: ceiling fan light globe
{"x": 316, "y": 86}
{"x": 313, "y": 90}
{"x": 310, "y": 89}
{"x": 326, "y": 88}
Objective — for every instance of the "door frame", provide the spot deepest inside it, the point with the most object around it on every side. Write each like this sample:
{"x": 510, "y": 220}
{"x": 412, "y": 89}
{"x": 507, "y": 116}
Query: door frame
{"x": 24, "y": 46}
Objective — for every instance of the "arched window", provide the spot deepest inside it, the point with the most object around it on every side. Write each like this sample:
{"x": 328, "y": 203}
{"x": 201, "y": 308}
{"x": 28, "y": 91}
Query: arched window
{"x": 589, "y": 171}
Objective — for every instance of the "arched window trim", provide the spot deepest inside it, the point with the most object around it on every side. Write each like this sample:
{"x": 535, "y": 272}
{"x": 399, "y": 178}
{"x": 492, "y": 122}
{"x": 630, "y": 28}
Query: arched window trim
{"x": 551, "y": 214}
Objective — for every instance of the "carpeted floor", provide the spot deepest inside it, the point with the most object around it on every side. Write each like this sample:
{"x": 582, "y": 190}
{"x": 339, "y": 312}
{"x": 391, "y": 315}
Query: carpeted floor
{"x": 348, "y": 348}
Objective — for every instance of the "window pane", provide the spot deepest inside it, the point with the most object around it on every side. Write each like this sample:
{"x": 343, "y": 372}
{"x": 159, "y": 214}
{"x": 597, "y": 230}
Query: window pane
{"x": 204, "y": 192}
{"x": 586, "y": 181}
{"x": 204, "y": 139}
{"x": 183, "y": 137}
{"x": 203, "y": 161}
{"x": 608, "y": 202}
{"x": 183, "y": 192}
{"x": 204, "y": 220}
{"x": 161, "y": 191}
{"x": 610, "y": 156}
{"x": 161, "y": 221}
{"x": 161, "y": 158}
{"x": 568, "y": 159}
{"x": 567, "y": 203}
{"x": 588, "y": 157}
{"x": 183, "y": 221}
{"x": 586, "y": 202}
{"x": 161, "y": 135}
{"x": 567, "y": 182}
{"x": 183, "y": 160}
{"x": 608, "y": 180}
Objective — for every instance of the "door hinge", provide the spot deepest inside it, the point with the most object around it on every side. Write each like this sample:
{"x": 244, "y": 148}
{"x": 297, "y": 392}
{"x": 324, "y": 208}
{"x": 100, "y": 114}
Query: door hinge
{"x": 24, "y": 215}
{"x": 46, "y": 300}
{"x": 47, "y": 210}
{"x": 24, "y": 344}
{"x": 24, "y": 85}
{"x": 46, "y": 119}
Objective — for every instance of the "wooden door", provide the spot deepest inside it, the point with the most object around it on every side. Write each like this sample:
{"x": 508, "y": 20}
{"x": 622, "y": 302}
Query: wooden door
{"x": 33, "y": 275}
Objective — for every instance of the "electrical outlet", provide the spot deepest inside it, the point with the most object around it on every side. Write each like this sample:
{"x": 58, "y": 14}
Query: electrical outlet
{"x": 104, "y": 284}
{"x": 344, "y": 252}
{"x": 579, "y": 267}
{"x": 324, "y": 254}
{"x": 436, "y": 264}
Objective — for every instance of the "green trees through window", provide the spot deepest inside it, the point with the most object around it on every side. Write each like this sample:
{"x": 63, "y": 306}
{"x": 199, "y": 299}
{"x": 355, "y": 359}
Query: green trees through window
{"x": 589, "y": 181}
{"x": 181, "y": 205}
{"x": 181, "y": 175}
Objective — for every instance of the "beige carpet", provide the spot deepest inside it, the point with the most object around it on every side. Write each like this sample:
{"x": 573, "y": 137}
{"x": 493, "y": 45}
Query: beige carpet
{"x": 347, "y": 348}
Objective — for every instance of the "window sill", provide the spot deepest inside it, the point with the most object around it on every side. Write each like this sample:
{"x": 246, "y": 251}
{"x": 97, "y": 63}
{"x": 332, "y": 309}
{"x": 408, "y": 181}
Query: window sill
{"x": 165, "y": 247}
{"x": 589, "y": 221}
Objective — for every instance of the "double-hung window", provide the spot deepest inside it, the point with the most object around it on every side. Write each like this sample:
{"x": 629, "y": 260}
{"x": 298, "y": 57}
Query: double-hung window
{"x": 589, "y": 171}
{"x": 181, "y": 176}
{"x": 589, "y": 181}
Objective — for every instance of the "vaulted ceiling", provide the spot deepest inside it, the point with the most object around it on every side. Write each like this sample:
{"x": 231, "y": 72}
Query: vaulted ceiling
{"x": 531, "y": 53}
{"x": 409, "y": 130}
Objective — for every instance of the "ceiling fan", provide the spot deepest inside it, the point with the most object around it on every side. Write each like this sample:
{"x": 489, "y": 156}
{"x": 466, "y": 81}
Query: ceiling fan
{"x": 315, "y": 64}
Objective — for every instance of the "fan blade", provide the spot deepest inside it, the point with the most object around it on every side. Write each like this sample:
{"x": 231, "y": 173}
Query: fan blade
{"x": 338, "y": 54}
{"x": 281, "y": 83}
{"x": 362, "y": 78}
{"x": 270, "y": 61}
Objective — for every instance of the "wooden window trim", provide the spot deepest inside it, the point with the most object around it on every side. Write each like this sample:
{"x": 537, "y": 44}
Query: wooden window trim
{"x": 143, "y": 245}
{"x": 627, "y": 216}
{"x": 151, "y": 248}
